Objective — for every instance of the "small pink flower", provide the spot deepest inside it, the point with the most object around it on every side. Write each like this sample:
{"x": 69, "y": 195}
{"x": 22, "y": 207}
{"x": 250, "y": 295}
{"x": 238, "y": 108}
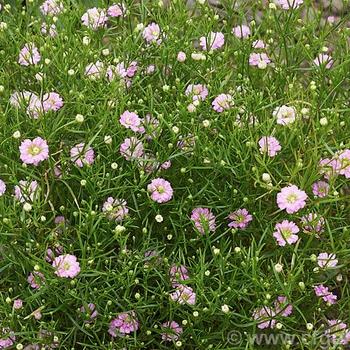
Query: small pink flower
{"x": 171, "y": 331}
{"x": 325, "y": 294}
{"x": 49, "y": 30}
{"x": 286, "y": 232}
{"x": 82, "y": 155}
{"x": 161, "y": 190}
{"x": 291, "y": 199}
{"x": 265, "y": 317}
{"x": 132, "y": 69}
{"x": 344, "y": 160}
{"x": 115, "y": 209}
{"x": 117, "y": 71}
{"x": 313, "y": 223}
{"x": 152, "y": 34}
{"x": 7, "y": 339}
{"x": 240, "y": 219}
{"x": 269, "y": 145}
{"x": 37, "y": 314}
{"x": 36, "y": 279}
{"x": 26, "y": 191}
{"x": 130, "y": 120}
{"x": 2, "y": 188}
{"x": 34, "y": 151}
{"x": 325, "y": 260}
{"x": 90, "y": 311}
{"x": 125, "y": 323}
{"x": 184, "y": 295}
{"x": 197, "y": 92}
{"x": 214, "y": 41}
{"x": 203, "y": 220}
{"x": 338, "y": 332}
{"x": 94, "y": 70}
{"x": 131, "y": 148}
{"x": 116, "y": 10}
{"x": 241, "y": 32}
{"x": 320, "y": 189}
{"x": 289, "y": 4}
{"x": 94, "y": 18}
{"x": 282, "y": 307}
{"x": 66, "y": 266}
{"x": 258, "y": 44}
{"x": 329, "y": 167}
{"x": 18, "y": 304}
{"x": 222, "y": 102}
{"x": 177, "y": 274}
{"x": 52, "y": 102}
{"x": 181, "y": 56}
{"x": 29, "y": 55}
{"x": 285, "y": 115}
{"x": 324, "y": 60}
{"x": 51, "y": 7}
{"x": 51, "y": 254}
{"x": 260, "y": 60}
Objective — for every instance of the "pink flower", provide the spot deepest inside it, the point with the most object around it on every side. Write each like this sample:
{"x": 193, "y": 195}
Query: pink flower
{"x": 197, "y": 92}
{"x": 2, "y": 187}
{"x": 90, "y": 311}
{"x": 17, "y": 304}
{"x": 222, "y": 102}
{"x": 320, "y": 189}
{"x": 324, "y": 60}
{"x": 132, "y": 69}
{"x": 329, "y": 167}
{"x": 66, "y": 266}
{"x": 51, "y": 7}
{"x": 241, "y": 32}
{"x": 286, "y": 232}
{"x": 338, "y": 332}
{"x": 36, "y": 279}
{"x": 171, "y": 331}
{"x": 49, "y": 30}
{"x": 52, "y": 102}
{"x": 94, "y": 18}
{"x": 285, "y": 115}
{"x": 51, "y": 254}
{"x": 312, "y": 223}
{"x": 21, "y": 98}
{"x": 150, "y": 126}
{"x": 35, "y": 107}
{"x": 326, "y": 261}
{"x": 115, "y": 209}
{"x": 344, "y": 159}
{"x": 184, "y": 295}
{"x": 7, "y": 338}
{"x": 181, "y": 56}
{"x": 327, "y": 296}
{"x": 203, "y": 220}
{"x": 178, "y": 273}
{"x": 26, "y": 191}
{"x": 152, "y": 34}
{"x": 117, "y": 71}
{"x": 116, "y": 10}
{"x": 265, "y": 317}
{"x": 215, "y": 41}
{"x": 289, "y": 4}
{"x": 125, "y": 323}
{"x": 291, "y": 199}
{"x": 269, "y": 145}
{"x": 131, "y": 148}
{"x": 260, "y": 60}
{"x": 29, "y": 55}
{"x": 82, "y": 155}
{"x": 258, "y": 44}
{"x": 130, "y": 120}
{"x": 240, "y": 219}
{"x": 282, "y": 307}
{"x": 161, "y": 190}
{"x": 34, "y": 151}
{"x": 94, "y": 70}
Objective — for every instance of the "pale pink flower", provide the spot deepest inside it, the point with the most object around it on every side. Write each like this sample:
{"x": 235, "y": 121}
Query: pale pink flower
{"x": 197, "y": 92}
{"x": 94, "y": 18}
{"x": 286, "y": 232}
{"x": 214, "y": 41}
{"x": 2, "y": 188}
{"x": 289, "y": 4}
{"x": 265, "y": 317}
{"x": 21, "y": 98}
{"x": 132, "y": 69}
{"x": 7, "y": 339}
{"x": 115, "y": 209}
{"x": 203, "y": 219}
{"x": 152, "y": 34}
{"x": 116, "y": 10}
{"x": 34, "y": 151}
{"x": 125, "y": 323}
{"x": 36, "y": 279}
{"x": 329, "y": 167}
{"x": 285, "y": 115}
{"x": 344, "y": 159}
{"x": 260, "y": 60}
{"x": 240, "y": 219}
{"x": 313, "y": 223}
{"x": 291, "y": 199}
{"x": 282, "y": 308}
{"x": 184, "y": 295}
{"x": 320, "y": 189}
{"x": 117, "y": 71}
{"x": 269, "y": 145}
{"x": 323, "y": 292}
{"x": 325, "y": 260}
{"x": 29, "y": 55}
{"x": 66, "y": 266}
{"x": 18, "y": 304}
{"x": 258, "y": 44}
{"x": 338, "y": 332}
{"x": 171, "y": 331}
{"x": 94, "y": 70}
{"x": 130, "y": 120}
{"x": 177, "y": 274}
{"x": 241, "y": 31}
{"x": 49, "y": 30}
{"x": 222, "y": 102}
{"x": 181, "y": 56}
{"x": 52, "y": 102}
{"x": 82, "y": 155}
{"x": 131, "y": 148}
{"x": 35, "y": 107}
{"x": 161, "y": 190}
{"x": 90, "y": 311}
{"x": 26, "y": 191}
{"x": 324, "y": 60}
{"x": 51, "y": 7}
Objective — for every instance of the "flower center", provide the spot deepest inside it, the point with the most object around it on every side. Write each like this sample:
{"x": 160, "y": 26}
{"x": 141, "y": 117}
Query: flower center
{"x": 66, "y": 266}
{"x": 160, "y": 189}
{"x": 34, "y": 150}
{"x": 292, "y": 198}
{"x": 286, "y": 233}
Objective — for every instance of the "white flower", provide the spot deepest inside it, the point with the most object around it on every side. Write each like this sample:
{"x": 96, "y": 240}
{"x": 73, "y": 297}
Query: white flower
{"x": 225, "y": 308}
{"x": 159, "y": 218}
{"x": 285, "y": 115}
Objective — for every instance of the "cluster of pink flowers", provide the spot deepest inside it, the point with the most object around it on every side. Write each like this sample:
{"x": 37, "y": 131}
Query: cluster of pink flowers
{"x": 338, "y": 165}
{"x": 285, "y": 115}
{"x": 214, "y": 41}
{"x": 171, "y": 331}
{"x": 198, "y": 92}
{"x": 124, "y": 323}
{"x": 178, "y": 274}
{"x": 26, "y": 191}
{"x": 338, "y": 332}
{"x": 313, "y": 223}
{"x": 222, "y": 102}
{"x": 324, "y": 60}
{"x": 326, "y": 261}
{"x": 324, "y": 293}
{"x": 131, "y": 148}
{"x": 260, "y": 60}
{"x": 289, "y": 4}
{"x": 51, "y": 7}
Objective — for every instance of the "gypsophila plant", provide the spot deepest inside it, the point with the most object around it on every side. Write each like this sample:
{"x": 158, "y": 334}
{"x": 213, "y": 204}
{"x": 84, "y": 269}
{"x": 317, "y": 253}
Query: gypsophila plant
{"x": 174, "y": 174}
